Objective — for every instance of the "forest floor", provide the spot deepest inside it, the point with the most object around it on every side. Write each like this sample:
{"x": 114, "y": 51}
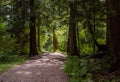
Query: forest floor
{"x": 45, "y": 68}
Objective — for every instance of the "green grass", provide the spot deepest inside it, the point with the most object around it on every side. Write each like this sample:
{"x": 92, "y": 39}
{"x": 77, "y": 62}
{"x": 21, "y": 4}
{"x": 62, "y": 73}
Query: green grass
{"x": 9, "y": 61}
{"x": 5, "y": 67}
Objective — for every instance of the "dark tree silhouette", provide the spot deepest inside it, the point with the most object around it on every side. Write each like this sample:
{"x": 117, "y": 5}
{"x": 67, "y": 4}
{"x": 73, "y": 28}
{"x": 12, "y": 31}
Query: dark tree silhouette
{"x": 113, "y": 32}
{"x": 33, "y": 49}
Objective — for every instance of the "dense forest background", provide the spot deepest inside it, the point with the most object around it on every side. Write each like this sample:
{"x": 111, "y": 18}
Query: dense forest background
{"x": 85, "y": 30}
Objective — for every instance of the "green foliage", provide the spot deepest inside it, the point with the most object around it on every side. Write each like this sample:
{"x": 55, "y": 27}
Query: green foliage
{"x": 10, "y": 58}
{"x": 77, "y": 70}
{"x": 8, "y": 49}
{"x": 111, "y": 80}
{"x": 81, "y": 70}
{"x": 7, "y": 61}
{"x": 61, "y": 34}
{"x": 86, "y": 49}
{"x": 48, "y": 44}
{"x": 9, "y": 53}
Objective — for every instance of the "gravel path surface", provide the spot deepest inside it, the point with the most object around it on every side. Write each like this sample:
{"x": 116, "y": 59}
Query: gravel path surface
{"x": 46, "y": 68}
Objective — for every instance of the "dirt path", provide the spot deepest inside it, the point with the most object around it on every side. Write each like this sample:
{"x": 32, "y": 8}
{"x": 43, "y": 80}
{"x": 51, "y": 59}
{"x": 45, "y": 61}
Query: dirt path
{"x": 47, "y": 68}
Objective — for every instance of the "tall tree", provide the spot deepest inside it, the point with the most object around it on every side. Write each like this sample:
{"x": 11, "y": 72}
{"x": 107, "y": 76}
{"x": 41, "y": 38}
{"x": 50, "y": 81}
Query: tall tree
{"x": 55, "y": 43}
{"x": 72, "y": 48}
{"x": 33, "y": 48}
{"x": 38, "y": 26}
{"x": 38, "y": 14}
{"x": 113, "y": 31}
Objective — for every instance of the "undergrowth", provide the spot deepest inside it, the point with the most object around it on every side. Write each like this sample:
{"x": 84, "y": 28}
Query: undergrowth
{"x": 8, "y": 60}
{"x": 83, "y": 70}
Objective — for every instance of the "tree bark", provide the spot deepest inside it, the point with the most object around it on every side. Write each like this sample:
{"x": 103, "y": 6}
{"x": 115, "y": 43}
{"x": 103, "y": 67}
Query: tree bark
{"x": 38, "y": 33}
{"x": 78, "y": 38}
{"x": 54, "y": 41}
{"x": 72, "y": 48}
{"x": 33, "y": 48}
{"x": 113, "y": 32}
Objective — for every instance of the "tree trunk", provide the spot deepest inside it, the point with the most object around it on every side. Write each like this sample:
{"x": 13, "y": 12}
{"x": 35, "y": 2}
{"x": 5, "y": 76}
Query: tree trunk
{"x": 78, "y": 38}
{"x": 113, "y": 32}
{"x": 38, "y": 34}
{"x": 54, "y": 41}
{"x": 72, "y": 48}
{"x": 33, "y": 49}
{"x": 38, "y": 37}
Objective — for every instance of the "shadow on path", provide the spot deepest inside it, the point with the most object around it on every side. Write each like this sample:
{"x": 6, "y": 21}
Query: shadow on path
{"x": 46, "y": 68}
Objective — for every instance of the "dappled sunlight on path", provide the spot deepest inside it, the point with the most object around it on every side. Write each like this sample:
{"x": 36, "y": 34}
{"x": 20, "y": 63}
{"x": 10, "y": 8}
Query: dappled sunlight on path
{"x": 46, "y": 68}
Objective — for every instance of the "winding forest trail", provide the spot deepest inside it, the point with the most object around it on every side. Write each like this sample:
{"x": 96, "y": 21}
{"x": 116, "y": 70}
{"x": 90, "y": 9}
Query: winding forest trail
{"x": 46, "y": 68}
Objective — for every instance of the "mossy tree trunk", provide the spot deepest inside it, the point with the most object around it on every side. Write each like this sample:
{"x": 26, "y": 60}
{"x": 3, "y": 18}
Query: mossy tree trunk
{"x": 72, "y": 48}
